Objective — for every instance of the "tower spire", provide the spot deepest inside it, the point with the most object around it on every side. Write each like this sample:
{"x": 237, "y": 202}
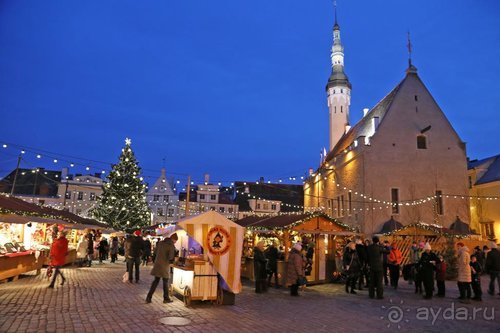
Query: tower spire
{"x": 335, "y": 10}
{"x": 411, "y": 68}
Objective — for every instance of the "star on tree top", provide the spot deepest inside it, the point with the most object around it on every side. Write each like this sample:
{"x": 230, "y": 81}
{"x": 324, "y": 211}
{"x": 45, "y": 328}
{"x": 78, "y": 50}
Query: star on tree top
{"x": 128, "y": 141}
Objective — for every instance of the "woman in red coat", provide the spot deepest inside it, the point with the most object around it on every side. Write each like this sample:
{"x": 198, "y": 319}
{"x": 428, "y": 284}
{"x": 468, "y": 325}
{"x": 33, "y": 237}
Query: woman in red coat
{"x": 58, "y": 253}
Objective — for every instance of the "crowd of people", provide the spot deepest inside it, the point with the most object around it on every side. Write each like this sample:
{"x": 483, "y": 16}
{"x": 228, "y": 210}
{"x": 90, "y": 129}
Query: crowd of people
{"x": 374, "y": 265}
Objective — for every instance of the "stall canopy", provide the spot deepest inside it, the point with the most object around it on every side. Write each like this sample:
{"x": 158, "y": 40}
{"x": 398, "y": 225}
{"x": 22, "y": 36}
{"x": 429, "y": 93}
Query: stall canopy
{"x": 460, "y": 227}
{"x": 305, "y": 223}
{"x": 14, "y": 210}
{"x": 391, "y": 226}
{"x": 222, "y": 241}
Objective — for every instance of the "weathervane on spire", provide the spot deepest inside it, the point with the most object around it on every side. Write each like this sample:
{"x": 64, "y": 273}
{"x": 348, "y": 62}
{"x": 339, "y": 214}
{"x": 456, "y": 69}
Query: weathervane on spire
{"x": 409, "y": 49}
{"x": 335, "y": 9}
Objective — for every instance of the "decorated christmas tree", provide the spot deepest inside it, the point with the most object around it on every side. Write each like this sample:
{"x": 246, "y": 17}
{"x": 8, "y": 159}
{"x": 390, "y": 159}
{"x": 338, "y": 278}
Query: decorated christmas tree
{"x": 122, "y": 203}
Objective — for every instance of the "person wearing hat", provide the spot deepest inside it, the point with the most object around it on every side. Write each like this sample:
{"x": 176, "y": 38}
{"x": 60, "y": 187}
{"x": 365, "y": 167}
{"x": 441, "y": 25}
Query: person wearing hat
{"x": 464, "y": 278}
{"x": 164, "y": 256}
{"x": 134, "y": 247}
{"x": 427, "y": 264}
{"x": 295, "y": 269}
{"x": 493, "y": 267}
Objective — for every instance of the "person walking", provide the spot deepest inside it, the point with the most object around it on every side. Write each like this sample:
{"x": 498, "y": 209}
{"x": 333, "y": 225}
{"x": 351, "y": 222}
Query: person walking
{"x": 493, "y": 267}
{"x": 352, "y": 266}
{"x": 427, "y": 266}
{"x": 363, "y": 271}
{"x": 375, "y": 261}
{"x": 476, "y": 270}
{"x": 295, "y": 269}
{"x": 259, "y": 268}
{"x": 413, "y": 260}
{"x": 147, "y": 252}
{"x": 385, "y": 255}
{"x": 394, "y": 260}
{"x": 272, "y": 254}
{"x": 133, "y": 251}
{"x": 464, "y": 273}
{"x": 164, "y": 256}
{"x": 81, "y": 251}
{"x": 58, "y": 253}
{"x": 441, "y": 277}
{"x": 90, "y": 248}
{"x": 114, "y": 249}
{"x": 103, "y": 249}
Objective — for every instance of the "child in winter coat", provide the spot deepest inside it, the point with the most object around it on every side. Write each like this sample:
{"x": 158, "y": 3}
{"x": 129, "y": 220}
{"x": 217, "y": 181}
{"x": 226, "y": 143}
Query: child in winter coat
{"x": 476, "y": 271}
{"x": 441, "y": 277}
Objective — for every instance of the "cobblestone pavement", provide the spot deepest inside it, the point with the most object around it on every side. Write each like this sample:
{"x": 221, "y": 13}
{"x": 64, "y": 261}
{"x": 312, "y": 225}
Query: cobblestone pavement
{"x": 96, "y": 300}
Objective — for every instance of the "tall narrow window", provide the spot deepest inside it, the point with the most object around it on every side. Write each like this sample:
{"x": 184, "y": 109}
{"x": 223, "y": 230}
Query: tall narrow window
{"x": 343, "y": 205}
{"x": 349, "y": 195}
{"x": 421, "y": 142}
{"x": 439, "y": 203}
{"x": 395, "y": 200}
{"x": 338, "y": 206}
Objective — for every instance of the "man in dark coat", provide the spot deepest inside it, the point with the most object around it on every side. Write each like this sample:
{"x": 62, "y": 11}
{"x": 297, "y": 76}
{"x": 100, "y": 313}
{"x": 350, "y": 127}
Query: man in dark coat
{"x": 259, "y": 268}
{"x": 352, "y": 266}
{"x": 363, "y": 273}
{"x": 164, "y": 256}
{"x": 374, "y": 254}
{"x": 427, "y": 266}
{"x": 134, "y": 247}
{"x": 493, "y": 267}
{"x": 272, "y": 255}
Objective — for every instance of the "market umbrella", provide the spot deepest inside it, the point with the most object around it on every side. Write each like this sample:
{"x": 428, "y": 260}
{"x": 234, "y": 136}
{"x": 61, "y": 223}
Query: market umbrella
{"x": 222, "y": 241}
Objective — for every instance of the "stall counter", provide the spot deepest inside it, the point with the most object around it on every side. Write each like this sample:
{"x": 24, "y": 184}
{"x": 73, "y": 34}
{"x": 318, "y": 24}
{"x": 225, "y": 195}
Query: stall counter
{"x": 14, "y": 264}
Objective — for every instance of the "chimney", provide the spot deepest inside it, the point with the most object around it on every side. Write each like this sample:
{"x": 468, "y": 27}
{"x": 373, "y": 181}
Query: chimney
{"x": 311, "y": 171}
{"x": 207, "y": 178}
{"x": 365, "y": 111}
{"x": 163, "y": 172}
{"x": 64, "y": 173}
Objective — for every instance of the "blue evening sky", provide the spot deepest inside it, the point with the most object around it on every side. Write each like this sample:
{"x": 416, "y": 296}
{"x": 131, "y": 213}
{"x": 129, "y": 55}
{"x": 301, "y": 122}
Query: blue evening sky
{"x": 226, "y": 87}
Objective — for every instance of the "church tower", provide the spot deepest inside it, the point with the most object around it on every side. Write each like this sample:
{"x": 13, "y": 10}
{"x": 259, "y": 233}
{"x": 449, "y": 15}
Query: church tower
{"x": 338, "y": 90}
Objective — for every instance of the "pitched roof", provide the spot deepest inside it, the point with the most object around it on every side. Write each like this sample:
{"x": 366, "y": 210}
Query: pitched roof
{"x": 364, "y": 126}
{"x": 44, "y": 182}
{"x": 492, "y": 164}
{"x": 289, "y": 195}
{"x": 391, "y": 226}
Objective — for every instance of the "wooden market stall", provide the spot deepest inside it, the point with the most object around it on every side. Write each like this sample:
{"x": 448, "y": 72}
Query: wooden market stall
{"x": 215, "y": 274}
{"x": 437, "y": 236}
{"x": 26, "y": 233}
{"x": 320, "y": 235}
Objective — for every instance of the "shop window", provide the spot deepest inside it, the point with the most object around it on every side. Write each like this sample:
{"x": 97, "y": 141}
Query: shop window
{"x": 487, "y": 230}
{"x": 221, "y": 209}
{"x": 159, "y": 211}
{"x": 170, "y": 212}
{"x": 395, "y": 200}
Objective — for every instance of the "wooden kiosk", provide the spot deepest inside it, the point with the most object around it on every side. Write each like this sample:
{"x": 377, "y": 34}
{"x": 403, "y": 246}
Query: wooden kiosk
{"x": 322, "y": 233}
{"x": 215, "y": 273}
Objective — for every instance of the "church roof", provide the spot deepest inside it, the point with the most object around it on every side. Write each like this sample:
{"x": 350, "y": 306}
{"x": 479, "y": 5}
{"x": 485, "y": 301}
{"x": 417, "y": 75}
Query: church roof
{"x": 492, "y": 173}
{"x": 364, "y": 126}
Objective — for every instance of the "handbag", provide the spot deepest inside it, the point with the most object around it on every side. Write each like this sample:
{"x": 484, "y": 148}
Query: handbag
{"x": 125, "y": 277}
{"x": 301, "y": 281}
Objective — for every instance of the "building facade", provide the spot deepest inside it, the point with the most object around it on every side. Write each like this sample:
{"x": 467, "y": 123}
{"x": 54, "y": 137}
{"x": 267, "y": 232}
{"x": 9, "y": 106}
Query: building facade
{"x": 163, "y": 201}
{"x": 484, "y": 189}
{"x": 403, "y": 159}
